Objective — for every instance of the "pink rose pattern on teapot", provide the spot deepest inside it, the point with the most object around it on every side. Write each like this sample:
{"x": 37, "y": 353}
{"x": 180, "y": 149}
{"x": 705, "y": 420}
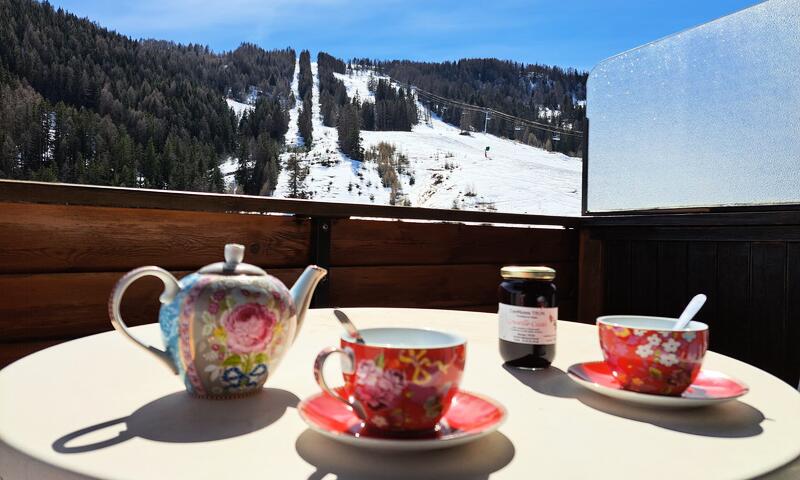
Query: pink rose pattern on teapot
{"x": 241, "y": 332}
{"x": 249, "y": 327}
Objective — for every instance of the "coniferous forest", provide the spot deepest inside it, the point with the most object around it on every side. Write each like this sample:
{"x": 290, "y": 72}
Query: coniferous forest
{"x": 332, "y": 92}
{"x": 338, "y": 110}
{"x": 525, "y": 91}
{"x": 82, "y": 104}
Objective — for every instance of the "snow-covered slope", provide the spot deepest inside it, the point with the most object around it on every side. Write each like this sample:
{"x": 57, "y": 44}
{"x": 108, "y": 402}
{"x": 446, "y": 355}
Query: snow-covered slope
{"x": 448, "y": 170}
{"x": 330, "y": 172}
{"x": 238, "y": 107}
{"x": 292, "y": 136}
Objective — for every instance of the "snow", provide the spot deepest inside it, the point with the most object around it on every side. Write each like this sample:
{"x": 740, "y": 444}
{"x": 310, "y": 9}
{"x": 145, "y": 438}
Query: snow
{"x": 448, "y": 169}
{"x": 293, "y": 137}
{"x": 228, "y": 169}
{"x": 238, "y": 107}
{"x": 549, "y": 113}
{"x": 514, "y": 178}
{"x": 356, "y": 83}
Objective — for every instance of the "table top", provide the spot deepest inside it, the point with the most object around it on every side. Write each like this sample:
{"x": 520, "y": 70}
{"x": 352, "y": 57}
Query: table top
{"x": 102, "y": 408}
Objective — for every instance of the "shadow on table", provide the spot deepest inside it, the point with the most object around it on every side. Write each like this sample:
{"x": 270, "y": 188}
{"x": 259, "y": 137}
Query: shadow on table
{"x": 732, "y": 419}
{"x": 181, "y": 418}
{"x": 473, "y": 461}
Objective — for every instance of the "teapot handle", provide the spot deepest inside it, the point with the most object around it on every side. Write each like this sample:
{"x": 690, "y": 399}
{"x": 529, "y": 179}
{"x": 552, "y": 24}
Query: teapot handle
{"x": 171, "y": 288}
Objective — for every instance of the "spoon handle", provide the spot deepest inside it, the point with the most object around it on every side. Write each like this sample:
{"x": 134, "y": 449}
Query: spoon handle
{"x": 690, "y": 311}
{"x": 348, "y": 325}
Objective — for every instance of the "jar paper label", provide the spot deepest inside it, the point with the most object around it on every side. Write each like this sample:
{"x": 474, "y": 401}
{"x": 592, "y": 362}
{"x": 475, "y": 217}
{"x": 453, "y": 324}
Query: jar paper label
{"x": 529, "y": 325}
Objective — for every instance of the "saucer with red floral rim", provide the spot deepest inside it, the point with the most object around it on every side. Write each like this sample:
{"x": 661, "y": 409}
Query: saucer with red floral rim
{"x": 708, "y": 388}
{"x": 469, "y": 418}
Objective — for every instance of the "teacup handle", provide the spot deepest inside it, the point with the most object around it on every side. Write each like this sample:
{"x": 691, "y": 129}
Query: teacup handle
{"x": 171, "y": 288}
{"x": 349, "y": 366}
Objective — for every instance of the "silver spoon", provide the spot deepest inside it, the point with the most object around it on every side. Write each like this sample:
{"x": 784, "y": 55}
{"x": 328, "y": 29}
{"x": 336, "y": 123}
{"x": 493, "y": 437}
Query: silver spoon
{"x": 348, "y": 325}
{"x": 690, "y": 311}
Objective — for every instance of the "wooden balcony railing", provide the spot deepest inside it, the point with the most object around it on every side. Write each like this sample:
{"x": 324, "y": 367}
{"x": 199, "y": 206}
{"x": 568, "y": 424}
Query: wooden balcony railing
{"x": 62, "y": 247}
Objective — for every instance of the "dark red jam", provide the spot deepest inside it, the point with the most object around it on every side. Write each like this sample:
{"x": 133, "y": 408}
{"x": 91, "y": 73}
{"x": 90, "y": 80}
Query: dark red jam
{"x": 527, "y": 316}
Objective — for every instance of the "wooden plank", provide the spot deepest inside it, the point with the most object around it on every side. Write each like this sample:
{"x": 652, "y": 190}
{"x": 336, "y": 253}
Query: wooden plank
{"x": 792, "y": 338}
{"x": 764, "y": 215}
{"x": 68, "y": 238}
{"x": 708, "y": 233}
{"x": 369, "y": 242}
{"x": 767, "y": 326}
{"x": 672, "y": 281}
{"x": 733, "y": 293}
{"x": 11, "y": 352}
{"x": 567, "y": 309}
{"x": 617, "y": 261}
{"x": 644, "y": 278}
{"x": 46, "y": 306}
{"x": 590, "y": 278}
{"x": 488, "y": 308}
{"x": 702, "y": 278}
{"x": 61, "y": 193}
{"x": 429, "y": 286}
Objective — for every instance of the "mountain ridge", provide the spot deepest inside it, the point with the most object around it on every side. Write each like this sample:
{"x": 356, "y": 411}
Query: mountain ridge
{"x": 80, "y": 103}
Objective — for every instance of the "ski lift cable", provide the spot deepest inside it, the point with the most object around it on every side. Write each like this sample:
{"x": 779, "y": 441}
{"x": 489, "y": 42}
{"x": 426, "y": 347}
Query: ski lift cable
{"x": 494, "y": 113}
{"x": 511, "y": 118}
{"x": 465, "y": 106}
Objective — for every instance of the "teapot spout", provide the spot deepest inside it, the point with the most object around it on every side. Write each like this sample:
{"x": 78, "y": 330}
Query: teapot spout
{"x": 303, "y": 290}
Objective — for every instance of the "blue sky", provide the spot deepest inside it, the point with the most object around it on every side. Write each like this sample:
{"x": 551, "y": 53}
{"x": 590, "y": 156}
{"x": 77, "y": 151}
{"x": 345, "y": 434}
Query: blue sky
{"x": 577, "y": 33}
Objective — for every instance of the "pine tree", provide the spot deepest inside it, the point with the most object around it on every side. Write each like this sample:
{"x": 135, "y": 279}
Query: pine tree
{"x": 151, "y": 167}
{"x": 297, "y": 176}
{"x": 304, "y": 124}
{"x": 349, "y": 132}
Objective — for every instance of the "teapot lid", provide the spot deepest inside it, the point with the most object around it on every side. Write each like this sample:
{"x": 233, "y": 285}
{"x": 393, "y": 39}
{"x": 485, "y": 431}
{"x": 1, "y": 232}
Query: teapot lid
{"x": 234, "y": 254}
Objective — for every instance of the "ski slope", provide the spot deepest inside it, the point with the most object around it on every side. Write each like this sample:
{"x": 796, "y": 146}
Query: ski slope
{"x": 331, "y": 173}
{"x": 448, "y": 169}
{"x": 293, "y": 137}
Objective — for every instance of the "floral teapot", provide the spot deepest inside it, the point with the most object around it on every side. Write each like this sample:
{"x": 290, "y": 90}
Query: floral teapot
{"x": 227, "y": 326}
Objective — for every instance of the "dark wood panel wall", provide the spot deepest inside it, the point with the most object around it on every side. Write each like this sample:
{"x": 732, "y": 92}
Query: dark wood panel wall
{"x": 58, "y": 263}
{"x": 442, "y": 265}
{"x": 751, "y": 275}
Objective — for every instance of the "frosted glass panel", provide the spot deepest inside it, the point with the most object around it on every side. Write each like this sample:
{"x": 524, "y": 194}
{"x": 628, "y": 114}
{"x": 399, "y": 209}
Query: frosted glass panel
{"x": 706, "y": 117}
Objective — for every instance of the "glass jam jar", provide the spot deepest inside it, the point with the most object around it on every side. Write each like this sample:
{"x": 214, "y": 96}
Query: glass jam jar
{"x": 527, "y": 315}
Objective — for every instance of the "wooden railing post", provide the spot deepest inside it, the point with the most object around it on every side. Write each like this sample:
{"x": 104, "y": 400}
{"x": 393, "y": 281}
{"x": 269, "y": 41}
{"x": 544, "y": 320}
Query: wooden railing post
{"x": 591, "y": 277}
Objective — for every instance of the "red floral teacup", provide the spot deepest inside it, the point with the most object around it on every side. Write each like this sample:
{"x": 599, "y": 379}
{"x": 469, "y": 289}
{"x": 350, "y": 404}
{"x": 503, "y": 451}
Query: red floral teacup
{"x": 401, "y": 379}
{"x": 647, "y": 355}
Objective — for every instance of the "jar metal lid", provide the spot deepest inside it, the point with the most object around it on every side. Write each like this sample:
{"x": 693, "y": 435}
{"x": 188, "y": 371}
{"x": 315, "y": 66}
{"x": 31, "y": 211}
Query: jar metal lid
{"x": 534, "y": 273}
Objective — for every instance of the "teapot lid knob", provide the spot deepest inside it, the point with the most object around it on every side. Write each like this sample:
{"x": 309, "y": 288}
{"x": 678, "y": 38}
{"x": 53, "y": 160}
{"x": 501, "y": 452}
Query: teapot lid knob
{"x": 233, "y": 264}
{"x": 234, "y": 254}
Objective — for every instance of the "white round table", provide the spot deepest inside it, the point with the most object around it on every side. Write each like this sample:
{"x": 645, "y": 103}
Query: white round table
{"x": 100, "y": 407}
